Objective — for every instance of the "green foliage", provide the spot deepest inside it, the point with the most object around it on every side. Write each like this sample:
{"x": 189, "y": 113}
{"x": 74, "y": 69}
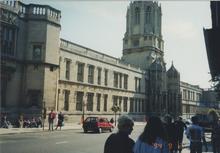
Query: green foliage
{"x": 213, "y": 114}
{"x": 217, "y": 88}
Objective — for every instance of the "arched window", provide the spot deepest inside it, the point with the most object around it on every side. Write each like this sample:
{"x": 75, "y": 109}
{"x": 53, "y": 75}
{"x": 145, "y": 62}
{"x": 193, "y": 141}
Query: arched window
{"x": 148, "y": 15}
{"x": 137, "y": 15}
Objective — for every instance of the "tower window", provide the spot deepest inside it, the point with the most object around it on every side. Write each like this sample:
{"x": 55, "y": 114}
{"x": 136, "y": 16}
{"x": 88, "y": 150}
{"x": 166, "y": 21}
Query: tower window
{"x": 137, "y": 15}
{"x": 37, "y": 52}
{"x": 136, "y": 43}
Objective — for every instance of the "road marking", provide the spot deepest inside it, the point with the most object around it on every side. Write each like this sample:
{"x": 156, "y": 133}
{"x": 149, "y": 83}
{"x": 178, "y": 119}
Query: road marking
{"x": 62, "y": 142}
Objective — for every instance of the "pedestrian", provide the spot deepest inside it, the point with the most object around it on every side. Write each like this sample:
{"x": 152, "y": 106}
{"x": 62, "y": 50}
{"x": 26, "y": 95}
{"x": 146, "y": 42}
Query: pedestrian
{"x": 120, "y": 142}
{"x": 180, "y": 126}
{"x": 51, "y": 117}
{"x": 215, "y": 138}
{"x": 153, "y": 138}
{"x": 5, "y": 122}
{"x": 60, "y": 120}
{"x": 195, "y": 134}
{"x": 171, "y": 134}
{"x": 112, "y": 120}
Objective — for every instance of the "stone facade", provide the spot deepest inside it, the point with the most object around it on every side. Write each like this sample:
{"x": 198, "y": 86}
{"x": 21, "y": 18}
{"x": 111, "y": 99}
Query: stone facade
{"x": 41, "y": 70}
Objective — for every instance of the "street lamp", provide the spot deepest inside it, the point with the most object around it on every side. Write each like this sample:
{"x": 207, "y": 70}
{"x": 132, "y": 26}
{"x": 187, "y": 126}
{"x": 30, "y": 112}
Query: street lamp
{"x": 115, "y": 109}
{"x": 44, "y": 113}
{"x": 83, "y": 111}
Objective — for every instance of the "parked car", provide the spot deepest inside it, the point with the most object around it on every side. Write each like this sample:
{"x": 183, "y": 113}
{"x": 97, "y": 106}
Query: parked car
{"x": 97, "y": 124}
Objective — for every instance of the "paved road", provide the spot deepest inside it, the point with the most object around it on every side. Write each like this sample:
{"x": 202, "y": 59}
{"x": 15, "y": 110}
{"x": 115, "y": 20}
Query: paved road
{"x": 69, "y": 141}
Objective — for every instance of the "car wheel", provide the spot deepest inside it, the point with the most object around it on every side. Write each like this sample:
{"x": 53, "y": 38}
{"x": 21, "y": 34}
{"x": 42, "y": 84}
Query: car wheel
{"x": 85, "y": 130}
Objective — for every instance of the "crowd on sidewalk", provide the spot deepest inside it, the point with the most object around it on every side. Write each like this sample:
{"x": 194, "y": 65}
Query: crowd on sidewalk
{"x": 159, "y": 137}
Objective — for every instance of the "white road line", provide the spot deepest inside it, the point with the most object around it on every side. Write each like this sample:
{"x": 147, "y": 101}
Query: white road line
{"x": 62, "y": 142}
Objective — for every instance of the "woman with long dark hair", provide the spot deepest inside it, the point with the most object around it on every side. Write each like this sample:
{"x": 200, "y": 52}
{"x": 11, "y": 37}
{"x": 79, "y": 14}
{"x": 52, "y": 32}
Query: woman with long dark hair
{"x": 153, "y": 139}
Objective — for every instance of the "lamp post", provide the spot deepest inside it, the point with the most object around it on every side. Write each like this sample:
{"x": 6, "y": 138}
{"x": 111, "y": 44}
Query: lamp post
{"x": 115, "y": 109}
{"x": 83, "y": 111}
{"x": 44, "y": 113}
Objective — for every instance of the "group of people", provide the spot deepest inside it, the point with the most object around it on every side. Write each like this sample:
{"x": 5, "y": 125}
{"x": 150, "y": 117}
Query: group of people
{"x": 158, "y": 137}
{"x": 52, "y": 117}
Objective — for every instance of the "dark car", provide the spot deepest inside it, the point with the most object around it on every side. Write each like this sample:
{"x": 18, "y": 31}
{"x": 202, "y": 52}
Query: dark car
{"x": 97, "y": 124}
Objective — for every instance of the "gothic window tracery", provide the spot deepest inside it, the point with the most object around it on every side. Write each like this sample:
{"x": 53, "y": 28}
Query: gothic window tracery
{"x": 137, "y": 15}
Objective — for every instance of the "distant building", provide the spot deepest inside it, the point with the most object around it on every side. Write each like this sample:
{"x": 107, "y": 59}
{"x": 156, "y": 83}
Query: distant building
{"x": 41, "y": 70}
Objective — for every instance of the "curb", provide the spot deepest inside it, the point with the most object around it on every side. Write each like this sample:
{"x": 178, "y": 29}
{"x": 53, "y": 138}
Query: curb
{"x": 36, "y": 131}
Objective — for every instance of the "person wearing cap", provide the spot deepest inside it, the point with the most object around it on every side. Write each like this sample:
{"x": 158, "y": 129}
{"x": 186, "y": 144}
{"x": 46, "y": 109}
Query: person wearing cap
{"x": 120, "y": 142}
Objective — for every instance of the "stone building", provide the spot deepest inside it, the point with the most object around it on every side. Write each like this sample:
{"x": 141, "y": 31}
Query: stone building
{"x": 41, "y": 70}
{"x": 191, "y": 99}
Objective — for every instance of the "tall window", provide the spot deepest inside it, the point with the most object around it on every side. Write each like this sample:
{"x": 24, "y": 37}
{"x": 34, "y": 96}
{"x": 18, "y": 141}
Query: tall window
{"x": 148, "y": 15}
{"x": 125, "y": 81}
{"x": 115, "y": 79}
{"x": 120, "y": 102}
{"x": 7, "y": 38}
{"x": 98, "y": 102}
{"x": 125, "y": 104}
{"x": 80, "y": 72}
{"x": 120, "y": 80}
{"x": 131, "y": 105}
{"x": 137, "y": 15}
{"x": 137, "y": 84}
{"x": 66, "y": 100}
{"x": 67, "y": 69}
{"x": 90, "y": 102}
{"x": 37, "y": 52}
{"x": 143, "y": 105}
{"x": 105, "y": 102}
{"x": 91, "y": 74}
{"x": 99, "y": 76}
{"x": 79, "y": 101}
{"x": 115, "y": 100}
{"x": 106, "y": 77}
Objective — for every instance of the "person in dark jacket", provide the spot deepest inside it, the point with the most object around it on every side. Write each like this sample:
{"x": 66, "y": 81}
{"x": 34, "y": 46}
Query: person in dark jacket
{"x": 171, "y": 134}
{"x": 120, "y": 142}
{"x": 180, "y": 126}
{"x": 60, "y": 120}
{"x": 215, "y": 139}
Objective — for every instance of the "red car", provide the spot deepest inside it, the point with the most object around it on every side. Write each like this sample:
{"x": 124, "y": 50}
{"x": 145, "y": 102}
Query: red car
{"x": 97, "y": 124}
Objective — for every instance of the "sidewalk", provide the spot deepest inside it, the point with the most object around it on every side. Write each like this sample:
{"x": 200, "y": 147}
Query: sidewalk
{"x": 68, "y": 126}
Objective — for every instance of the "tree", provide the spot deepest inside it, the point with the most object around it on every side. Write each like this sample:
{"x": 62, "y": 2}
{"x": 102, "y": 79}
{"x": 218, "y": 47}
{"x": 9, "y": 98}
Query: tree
{"x": 115, "y": 109}
{"x": 213, "y": 114}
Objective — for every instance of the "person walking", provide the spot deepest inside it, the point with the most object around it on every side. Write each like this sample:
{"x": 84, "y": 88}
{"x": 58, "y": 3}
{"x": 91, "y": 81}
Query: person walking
{"x": 180, "y": 126}
{"x": 60, "y": 120}
{"x": 196, "y": 135}
{"x": 51, "y": 117}
{"x": 120, "y": 142}
{"x": 171, "y": 134}
{"x": 215, "y": 138}
{"x": 153, "y": 138}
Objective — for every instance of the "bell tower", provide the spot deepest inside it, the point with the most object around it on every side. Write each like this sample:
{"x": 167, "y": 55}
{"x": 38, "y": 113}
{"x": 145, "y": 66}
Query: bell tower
{"x": 143, "y": 42}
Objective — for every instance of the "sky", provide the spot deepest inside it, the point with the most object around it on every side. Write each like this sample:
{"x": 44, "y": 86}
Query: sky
{"x": 100, "y": 25}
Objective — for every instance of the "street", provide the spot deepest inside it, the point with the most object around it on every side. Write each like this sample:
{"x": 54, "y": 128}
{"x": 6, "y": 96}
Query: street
{"x": 68, "y": 141}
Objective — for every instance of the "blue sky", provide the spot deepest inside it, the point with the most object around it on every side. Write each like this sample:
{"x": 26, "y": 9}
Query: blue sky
{"x": 100, "y": 25}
